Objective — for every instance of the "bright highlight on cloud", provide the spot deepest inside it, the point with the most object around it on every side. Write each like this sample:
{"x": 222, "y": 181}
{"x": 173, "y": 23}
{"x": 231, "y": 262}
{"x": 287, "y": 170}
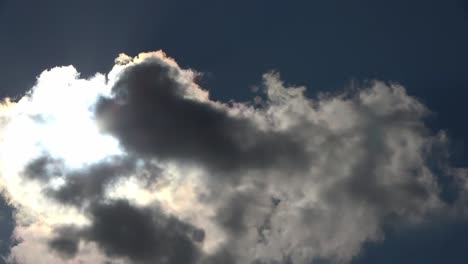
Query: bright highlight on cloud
{"x": 141, "y": 166}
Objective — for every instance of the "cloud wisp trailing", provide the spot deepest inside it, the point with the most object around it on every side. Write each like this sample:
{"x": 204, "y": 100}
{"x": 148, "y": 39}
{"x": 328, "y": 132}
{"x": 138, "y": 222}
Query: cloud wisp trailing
{"x": 141, "y": 166}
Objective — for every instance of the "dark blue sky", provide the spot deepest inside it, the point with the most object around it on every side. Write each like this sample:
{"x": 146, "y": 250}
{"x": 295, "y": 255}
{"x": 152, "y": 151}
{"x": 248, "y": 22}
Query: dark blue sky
{"x": 323, "y": 44}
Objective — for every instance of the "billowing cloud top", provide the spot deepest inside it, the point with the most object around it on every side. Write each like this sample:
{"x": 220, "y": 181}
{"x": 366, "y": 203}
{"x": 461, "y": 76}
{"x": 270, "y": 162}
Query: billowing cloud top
{"x": 141, "y": 166}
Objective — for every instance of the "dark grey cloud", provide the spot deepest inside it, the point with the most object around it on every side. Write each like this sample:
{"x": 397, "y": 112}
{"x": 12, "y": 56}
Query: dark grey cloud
{"x": 43, "y": 168}
{"x": 82, "y": 185}
{"x": 66, "y": 242}
{"x": 141, "y": 235}
{"x": 119, "y": 229}
{"x": 89, "y": 183}
{"x": 151, "y": 114}
{"x": 231, "y": 215}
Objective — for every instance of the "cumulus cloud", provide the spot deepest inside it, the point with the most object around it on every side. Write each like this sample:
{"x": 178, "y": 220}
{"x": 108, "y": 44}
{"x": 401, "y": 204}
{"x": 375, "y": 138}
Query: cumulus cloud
{"x": 141, "y": 166}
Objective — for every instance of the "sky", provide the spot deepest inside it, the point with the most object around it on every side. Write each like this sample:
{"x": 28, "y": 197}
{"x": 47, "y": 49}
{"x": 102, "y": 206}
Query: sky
{"x": 234, "y": 131}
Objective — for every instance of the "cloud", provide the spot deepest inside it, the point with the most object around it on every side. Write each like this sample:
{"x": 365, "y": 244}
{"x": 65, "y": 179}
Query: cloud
{"x": 88, "y": 184}
{"x": 141, "y": 166}
{"x": 66, "y": 243}
{"x": 143, "y": 235}
{"x": 155, "y": 109}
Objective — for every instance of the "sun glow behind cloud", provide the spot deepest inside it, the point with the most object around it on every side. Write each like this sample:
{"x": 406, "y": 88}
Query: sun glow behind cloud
{"x": 64, "y": 129}
{"x": 57, "y": 118}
